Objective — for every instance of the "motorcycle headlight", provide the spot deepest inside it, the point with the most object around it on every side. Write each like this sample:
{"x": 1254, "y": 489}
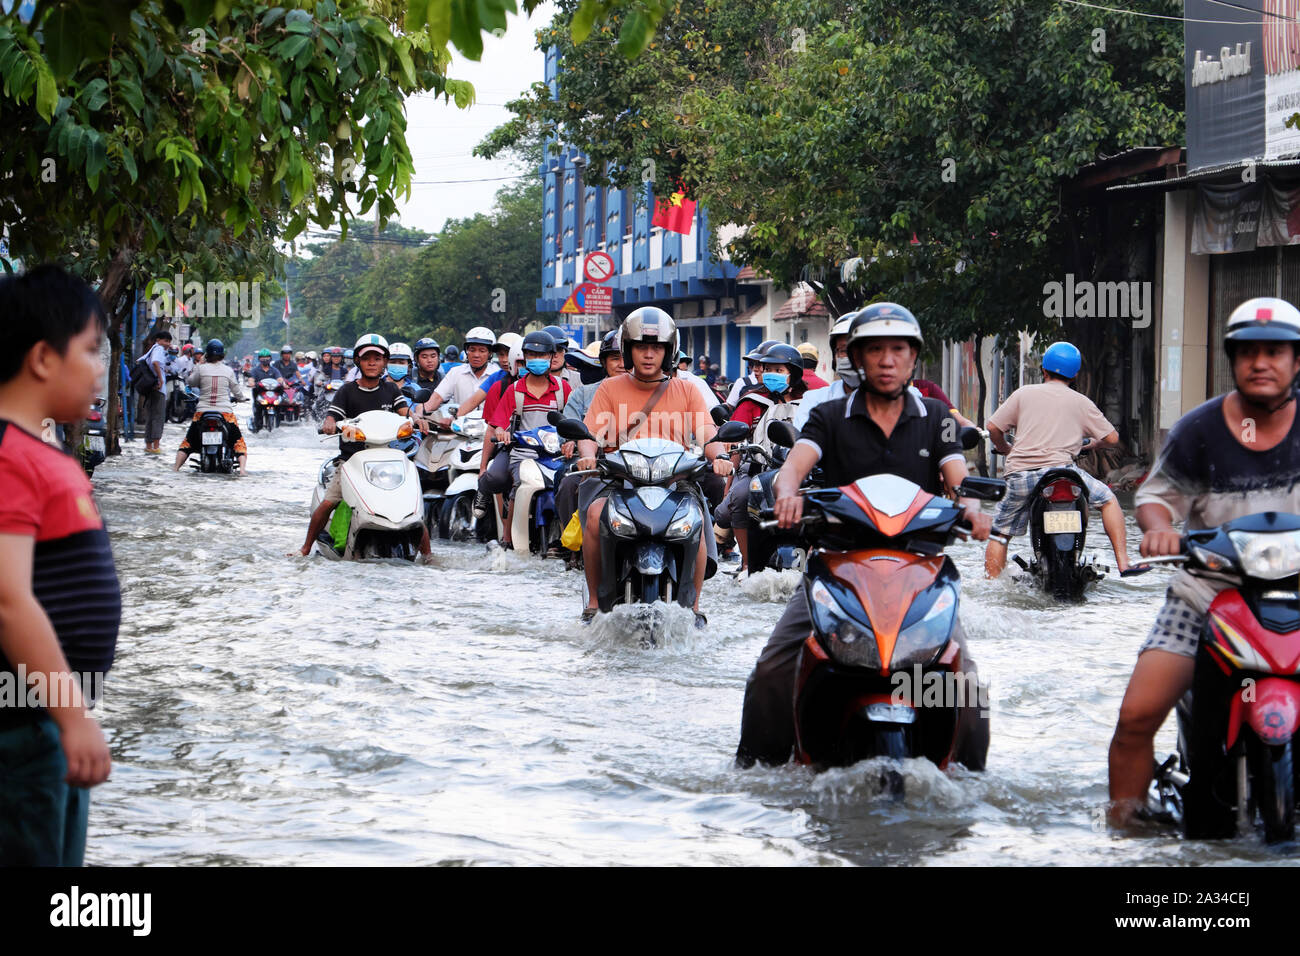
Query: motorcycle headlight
{"x": 386, "y": 474}
{"x": 530, "y": 440}
{"x": 636, "y": 465}
{"x": 1267, "y": 555}
{"x": 685, "y": 520}
{"x": 551, "y": 442}
{"x": 922, "y": 642}
{"x": 847, "y": 640}
{"x": 663, "y": 467}
{"x": 620, "y": 522}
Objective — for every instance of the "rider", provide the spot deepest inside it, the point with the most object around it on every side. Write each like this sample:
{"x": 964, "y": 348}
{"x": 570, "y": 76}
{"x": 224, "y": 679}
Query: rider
{"x": 523, "y": 406}
{"x": 1234, "y": 455}
{"x": 846, "y": 376}
{"x": 427, "y": 373}
{"x": 1051, "y": 420}
{"x": 217, "y": 384}
{"x": 331, "y": 366}
{"x": 650, "y": 401}
{"x": 776, "y": 396}
{"x": 559, "y": 364}
{"x": 610, "y": 357}
{"x": 453, "y": 357}
{"x": 400, "y": 360}
{"x": 373, "y": 391}
{"x": 287, "y": 368}
{"x": 459, "y": 381}
{"x": 881, "y": 428}
{"x": 263, "y": 368}
{"x": 183, "y": 364}
{"x": 808, "y": 352}
{"x": 751, "y": 376}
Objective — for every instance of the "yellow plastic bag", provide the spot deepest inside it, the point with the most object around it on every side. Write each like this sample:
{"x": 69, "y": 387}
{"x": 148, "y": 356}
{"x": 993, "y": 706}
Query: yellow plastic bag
{"x": 572, "y": 536}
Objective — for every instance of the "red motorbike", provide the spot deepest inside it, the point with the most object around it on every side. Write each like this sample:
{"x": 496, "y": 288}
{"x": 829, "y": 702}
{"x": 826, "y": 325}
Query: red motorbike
{"x": 885, "y": 671}
{"x": 1236, "y": 757}
{"x": 268, "y": 404}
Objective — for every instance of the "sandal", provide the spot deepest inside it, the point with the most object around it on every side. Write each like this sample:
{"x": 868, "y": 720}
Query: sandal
{"x": 589, "y": 614}
{"x": 701, "y": 622}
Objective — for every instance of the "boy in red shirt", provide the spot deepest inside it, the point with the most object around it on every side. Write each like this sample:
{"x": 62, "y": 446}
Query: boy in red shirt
{"x": 523, "y": 406}
{"x": 60, "y": 603}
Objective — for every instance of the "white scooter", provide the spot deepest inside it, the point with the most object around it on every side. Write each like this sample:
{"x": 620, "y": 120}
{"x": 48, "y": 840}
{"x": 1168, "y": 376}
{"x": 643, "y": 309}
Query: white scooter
{"x": 381, "y": 487}
{"x": 456, "y": 521}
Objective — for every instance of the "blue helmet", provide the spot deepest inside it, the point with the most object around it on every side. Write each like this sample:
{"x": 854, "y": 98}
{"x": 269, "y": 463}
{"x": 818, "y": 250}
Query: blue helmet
{"x": 1063, "y": 359}
{"x": 215, "y": 350}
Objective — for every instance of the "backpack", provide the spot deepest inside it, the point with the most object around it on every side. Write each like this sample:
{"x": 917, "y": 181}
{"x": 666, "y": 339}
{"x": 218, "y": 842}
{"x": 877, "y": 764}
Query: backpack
{"x": 143, "y": 377}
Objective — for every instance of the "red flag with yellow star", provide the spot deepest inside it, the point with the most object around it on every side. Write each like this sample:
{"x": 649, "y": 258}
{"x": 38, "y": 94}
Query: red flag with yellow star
{"x": 675, "y": 214}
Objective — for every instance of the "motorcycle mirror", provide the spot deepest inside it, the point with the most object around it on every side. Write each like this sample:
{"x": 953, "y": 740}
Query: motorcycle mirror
{"x": 782, "y": 433}
{"x": 970, "y": 438}
{"x": 570, "y": 429}
{"x": 721, "y": 414}
{"x": 554, "y": 417}
{"x": 985, "y": 489}
{"x": 732, "y": 432}
{"x": 423, "y": 395}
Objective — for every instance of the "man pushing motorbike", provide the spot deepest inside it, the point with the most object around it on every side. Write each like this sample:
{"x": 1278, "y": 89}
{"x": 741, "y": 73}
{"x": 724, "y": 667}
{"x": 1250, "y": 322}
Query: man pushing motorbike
{"x": 879, "y": 428}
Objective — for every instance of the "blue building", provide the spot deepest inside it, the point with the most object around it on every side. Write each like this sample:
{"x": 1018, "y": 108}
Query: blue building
{"x": 719, "y": 312}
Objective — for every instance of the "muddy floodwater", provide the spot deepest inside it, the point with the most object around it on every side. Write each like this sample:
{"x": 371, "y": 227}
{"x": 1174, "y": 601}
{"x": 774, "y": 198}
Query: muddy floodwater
{"x": 274, "y": 710}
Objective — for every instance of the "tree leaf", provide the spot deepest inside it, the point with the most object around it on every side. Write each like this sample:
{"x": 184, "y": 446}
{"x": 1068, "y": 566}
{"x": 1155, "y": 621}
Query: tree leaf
{"x": 47, "y": 91}
{"x": 583, "y": 20}
{"x": 63, "y": 40}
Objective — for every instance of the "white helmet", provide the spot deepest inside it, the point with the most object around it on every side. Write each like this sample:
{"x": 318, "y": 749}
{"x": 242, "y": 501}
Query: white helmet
{"x": 401, "y": 350}
{"x": 510, "y": 340}
{"x": 516, "y": 355}
{"x": 480, "y": 336}
{"x": 650, "y": 324}
{"x": 367, "y": 342}
{"x": 1263, "y": 319}
{"x": 844, "y": 367}
{"x": 313, "y": 356}
{"x": 841, "y": 326}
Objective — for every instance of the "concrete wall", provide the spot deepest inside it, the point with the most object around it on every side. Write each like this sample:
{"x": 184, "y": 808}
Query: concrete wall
{"x": 1183, "y": 316}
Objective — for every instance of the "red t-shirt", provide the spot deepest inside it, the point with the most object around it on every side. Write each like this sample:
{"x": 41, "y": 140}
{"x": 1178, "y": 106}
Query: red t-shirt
{"x": 812, "y": 380}
{"x": 45, "y": 495}
{"x": 930, "y": 390}
{"x": 535, "y": 407}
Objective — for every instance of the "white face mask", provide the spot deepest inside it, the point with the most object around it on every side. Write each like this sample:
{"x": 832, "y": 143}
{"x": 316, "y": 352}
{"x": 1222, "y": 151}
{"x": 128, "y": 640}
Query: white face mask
{"x": 847, "y": 373}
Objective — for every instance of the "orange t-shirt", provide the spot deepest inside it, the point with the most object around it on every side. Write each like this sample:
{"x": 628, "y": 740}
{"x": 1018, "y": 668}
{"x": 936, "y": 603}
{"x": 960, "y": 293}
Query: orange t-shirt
{"x": 680, "y": 415}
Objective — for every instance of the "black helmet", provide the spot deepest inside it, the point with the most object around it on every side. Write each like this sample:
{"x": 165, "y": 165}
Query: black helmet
{"x": 452, "y": 353}
{"x": 756, "y": 354}
{"x": 787, "y": 355}
{"x": 214, "y": 350}
{"x": 424, "y": 344}
{"x": 609, "y": 345}
{"x": 538, "y": 342}
{"x": 560, "y": 336}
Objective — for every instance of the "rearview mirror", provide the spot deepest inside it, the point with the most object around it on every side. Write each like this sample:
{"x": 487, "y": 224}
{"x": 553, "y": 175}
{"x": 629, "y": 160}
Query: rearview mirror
{"x": 554, "y": 417}
{"x": 570, "y": 429}
{"x": 985, "y": 489}
{"x": 732, "y": 432}
{"x": 970, "y": 438}
{"x": 720, "y": 414}
{"x": 782, "y": 433}
{"x": 422, "y": 396}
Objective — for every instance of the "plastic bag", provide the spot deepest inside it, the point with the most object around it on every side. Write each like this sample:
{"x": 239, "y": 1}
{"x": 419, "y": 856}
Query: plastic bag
{"x": 572, "y": 536}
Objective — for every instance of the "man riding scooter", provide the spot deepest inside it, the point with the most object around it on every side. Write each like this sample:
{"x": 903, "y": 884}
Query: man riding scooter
{"x": 880, "y": 428}
{"x": 649, "y": 401}
{"x": 218, "y": 385}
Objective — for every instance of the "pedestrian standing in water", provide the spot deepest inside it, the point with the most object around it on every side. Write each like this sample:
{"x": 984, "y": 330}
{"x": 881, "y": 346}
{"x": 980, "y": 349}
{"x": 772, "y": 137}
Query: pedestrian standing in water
{"x": 154, "y": 400}
{"x": 60, "y": 603}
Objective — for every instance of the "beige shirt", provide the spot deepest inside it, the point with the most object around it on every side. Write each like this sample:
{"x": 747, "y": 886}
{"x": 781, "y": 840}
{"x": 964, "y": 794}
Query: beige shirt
{"x": 1051, "y": 420}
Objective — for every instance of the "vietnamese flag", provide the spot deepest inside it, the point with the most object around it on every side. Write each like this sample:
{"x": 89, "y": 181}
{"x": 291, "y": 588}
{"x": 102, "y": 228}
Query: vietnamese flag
{"x": 675, "y": 214}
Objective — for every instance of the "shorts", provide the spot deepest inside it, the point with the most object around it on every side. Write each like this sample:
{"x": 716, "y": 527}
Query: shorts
{"x": 1177, "y": 628}
{"x": 734, "y": 510}
{"x": 334, "y": 490}
{"x": 192, "y": 433}
{"x": 1012, "y": 516}
{"x": 42, "y": 818}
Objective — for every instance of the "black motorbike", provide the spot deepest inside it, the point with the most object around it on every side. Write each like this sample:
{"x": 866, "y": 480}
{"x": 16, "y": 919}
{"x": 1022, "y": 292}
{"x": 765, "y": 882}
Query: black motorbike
{"x": 216, "y": 453}
{"x": 94, "y": 438}
{"x": 654, "y": 516}
{"x": 1058, "y": 531}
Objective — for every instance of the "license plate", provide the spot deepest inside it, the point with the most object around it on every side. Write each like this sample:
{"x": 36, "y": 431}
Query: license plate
{"x": 891, "y": 713}
{"x": 213, "y": 438}
{"x": 96, "y": 442}
{"x": 1062, "y": 522}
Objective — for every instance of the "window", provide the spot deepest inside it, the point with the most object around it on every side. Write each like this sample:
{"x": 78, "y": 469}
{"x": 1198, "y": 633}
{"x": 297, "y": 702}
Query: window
{"x": 579, "y": 202}
{"x": 629, "y": 209}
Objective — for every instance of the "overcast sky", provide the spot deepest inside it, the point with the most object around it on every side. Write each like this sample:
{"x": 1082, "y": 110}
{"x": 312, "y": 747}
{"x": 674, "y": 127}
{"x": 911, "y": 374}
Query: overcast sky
{"x": 441, "y": 136}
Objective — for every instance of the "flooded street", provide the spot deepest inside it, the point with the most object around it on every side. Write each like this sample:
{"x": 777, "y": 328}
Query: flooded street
{"x": 273, "y": 710}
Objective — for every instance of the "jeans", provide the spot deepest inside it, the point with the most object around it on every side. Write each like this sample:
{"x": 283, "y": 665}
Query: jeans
{"x": 42, "y": 819}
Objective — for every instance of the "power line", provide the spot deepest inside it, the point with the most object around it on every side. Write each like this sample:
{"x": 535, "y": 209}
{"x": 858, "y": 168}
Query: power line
{"x": 1163, "y": 16}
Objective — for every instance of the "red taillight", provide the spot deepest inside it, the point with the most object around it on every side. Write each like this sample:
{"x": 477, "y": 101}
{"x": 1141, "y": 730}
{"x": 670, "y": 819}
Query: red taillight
{"x": 1062, "y": 490}
{"x": 95, "y": 417}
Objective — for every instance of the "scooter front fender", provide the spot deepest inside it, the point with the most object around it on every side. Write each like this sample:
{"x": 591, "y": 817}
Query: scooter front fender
{"x": 1271, "y": 708}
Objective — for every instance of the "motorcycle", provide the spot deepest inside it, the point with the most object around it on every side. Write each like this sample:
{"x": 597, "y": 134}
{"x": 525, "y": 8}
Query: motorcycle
{"x": 182, "y": 400}
{"x": 1236, "y": 758}
{"x": 456, "y": 521}
{"x": 886, "y": 639}
{"x": 291, "y": 404}
{"x": 381, "y": 491}
{"x": 532, "y": 516}
{"x": 93, "y": 448}
{"x": 326, "y": 395}
{"x": 268, "y": 404}
{"x": 1058, "y": 530}
{"x": 216, "y": 451}
{"x": 653, "y": 518}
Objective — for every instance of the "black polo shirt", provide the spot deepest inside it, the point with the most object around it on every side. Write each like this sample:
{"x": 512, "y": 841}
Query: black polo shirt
{"x": 852, "y": 446}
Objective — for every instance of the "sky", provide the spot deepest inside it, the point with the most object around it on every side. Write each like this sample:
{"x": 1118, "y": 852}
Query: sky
{"x": 441, "y": 137}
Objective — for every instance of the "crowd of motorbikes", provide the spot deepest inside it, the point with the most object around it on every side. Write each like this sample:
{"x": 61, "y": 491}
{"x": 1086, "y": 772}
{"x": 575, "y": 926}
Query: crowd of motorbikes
{"x": 882, "y": 594}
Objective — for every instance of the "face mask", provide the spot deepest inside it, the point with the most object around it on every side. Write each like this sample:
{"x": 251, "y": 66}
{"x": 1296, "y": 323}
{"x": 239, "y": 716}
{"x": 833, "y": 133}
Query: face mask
{"x": 397, "y": 372}
{"x": 539, "y": 366}
{"x": 847, "y": 373}
{"x": 775, "y": 382}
